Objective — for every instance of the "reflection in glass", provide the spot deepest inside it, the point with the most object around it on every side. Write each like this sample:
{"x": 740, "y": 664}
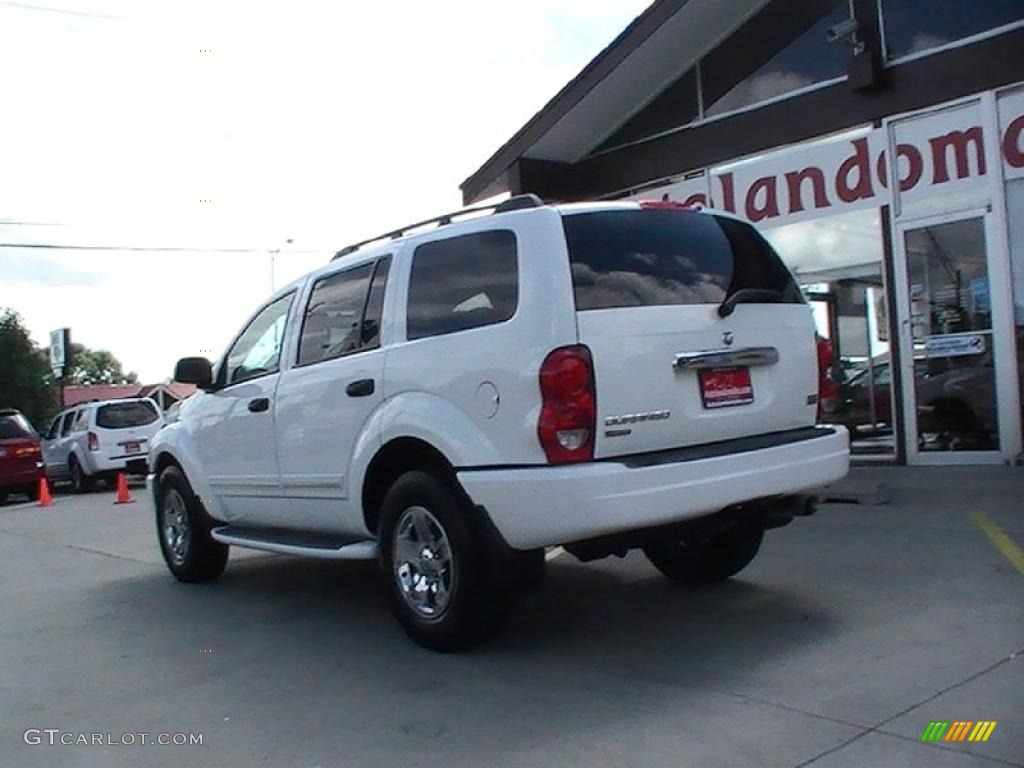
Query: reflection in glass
{"x": 912, "y": 26}
{"x": 838, "y": 261}
{"x": 951, "y": 321}
{"x": 808, "y": 59}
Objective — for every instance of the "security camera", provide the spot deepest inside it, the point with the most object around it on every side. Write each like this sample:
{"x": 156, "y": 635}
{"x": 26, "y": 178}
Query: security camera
{"x": 845, "y": 28}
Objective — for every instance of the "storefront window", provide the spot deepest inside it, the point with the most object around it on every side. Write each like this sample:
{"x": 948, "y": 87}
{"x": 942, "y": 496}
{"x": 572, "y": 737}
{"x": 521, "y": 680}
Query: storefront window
{"x": 838, "y": 261}
{"x": 912, "y": 26}
{"x": 737, "y": 74}
{"x": 1015, "y": 218}
{"x": 951, "y": 325}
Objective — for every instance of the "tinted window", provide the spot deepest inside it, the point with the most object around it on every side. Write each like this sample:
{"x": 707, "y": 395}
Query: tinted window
{"x": 14, "y": 426}
{"x": 370, "y": 336}
{"x": 463, "y": 282}
{"x": 65, "y": 426}
{"x": 258, "y": 350}
{"x": 912, "y": 26}
{"x": 330, "y": 327}
{"x": 137, "y": 413}
{"x": 54, "y": 427}
{"x": 790, "y": 53}
{"x": 648, "y": 258}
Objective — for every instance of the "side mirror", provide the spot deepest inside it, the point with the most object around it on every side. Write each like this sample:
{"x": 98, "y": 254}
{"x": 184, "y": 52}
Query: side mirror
{"x": 194, "y": 370}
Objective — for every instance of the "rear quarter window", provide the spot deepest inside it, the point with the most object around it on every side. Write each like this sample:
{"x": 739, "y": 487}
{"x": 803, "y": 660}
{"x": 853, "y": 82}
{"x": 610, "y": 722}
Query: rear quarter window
{"x": 123, "y": 415}
{"x": 649, "y": 258}
{"x": 463, "y": 282}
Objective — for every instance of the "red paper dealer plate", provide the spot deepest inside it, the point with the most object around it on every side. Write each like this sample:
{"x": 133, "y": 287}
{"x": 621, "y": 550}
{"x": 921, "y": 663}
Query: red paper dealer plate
{"x": 721, "y": 387}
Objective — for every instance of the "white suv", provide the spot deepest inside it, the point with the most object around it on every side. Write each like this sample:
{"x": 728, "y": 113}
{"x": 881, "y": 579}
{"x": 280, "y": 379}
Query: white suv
{"x": 99, "y": 439}
{"x": 455, "y": 399}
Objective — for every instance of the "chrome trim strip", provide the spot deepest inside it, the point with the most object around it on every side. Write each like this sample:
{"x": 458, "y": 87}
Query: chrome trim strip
{"x": 723, "y": 358}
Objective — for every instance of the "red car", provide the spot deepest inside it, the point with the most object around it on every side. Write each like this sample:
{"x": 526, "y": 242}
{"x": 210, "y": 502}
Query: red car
{"x": 21, "y": 457}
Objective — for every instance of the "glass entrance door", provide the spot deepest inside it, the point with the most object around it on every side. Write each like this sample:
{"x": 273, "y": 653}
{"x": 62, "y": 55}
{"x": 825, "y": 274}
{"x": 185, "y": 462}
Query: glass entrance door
{"x": 950, "y": 364}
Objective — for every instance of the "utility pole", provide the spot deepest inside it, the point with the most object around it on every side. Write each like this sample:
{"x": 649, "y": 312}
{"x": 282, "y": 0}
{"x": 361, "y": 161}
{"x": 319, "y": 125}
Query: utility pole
{"x": 273, "y": 256}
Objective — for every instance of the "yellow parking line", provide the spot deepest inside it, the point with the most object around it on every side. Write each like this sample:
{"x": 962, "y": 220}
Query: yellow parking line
{"x": 1000, "y": 540}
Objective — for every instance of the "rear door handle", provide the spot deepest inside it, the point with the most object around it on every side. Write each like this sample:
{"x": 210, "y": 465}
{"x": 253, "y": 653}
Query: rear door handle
{"x": 259, "y": 404}
{"x": 360, "y": 388}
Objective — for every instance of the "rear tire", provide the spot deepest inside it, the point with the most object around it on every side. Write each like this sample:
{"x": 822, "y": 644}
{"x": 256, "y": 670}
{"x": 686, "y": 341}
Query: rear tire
{"x": 32, "y": 492}
{"x": 441, "y": 589}
{"x": 183, "y": 530}
{"x": 706, "y": 561}
{"x": 81, "y": 482}
{"x": 3, "y": 497}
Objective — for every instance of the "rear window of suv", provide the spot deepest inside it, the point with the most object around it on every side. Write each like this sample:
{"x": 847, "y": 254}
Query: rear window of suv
{"x": 14, "y": 425}
{"x": 641, "y": 258}
{"x": 124, "y": 415}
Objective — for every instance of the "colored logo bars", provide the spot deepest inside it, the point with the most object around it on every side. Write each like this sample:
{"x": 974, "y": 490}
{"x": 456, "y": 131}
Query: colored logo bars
{"x": 958, "y": 730}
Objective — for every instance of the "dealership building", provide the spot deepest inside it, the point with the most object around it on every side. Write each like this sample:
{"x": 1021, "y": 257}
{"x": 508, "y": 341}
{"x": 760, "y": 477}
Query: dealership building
{"x": 877, "y": 144}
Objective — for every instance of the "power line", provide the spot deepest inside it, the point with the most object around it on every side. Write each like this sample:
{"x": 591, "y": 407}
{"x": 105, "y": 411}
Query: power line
{"x": 29, "y": 7}
{"x": 154, "y": 249}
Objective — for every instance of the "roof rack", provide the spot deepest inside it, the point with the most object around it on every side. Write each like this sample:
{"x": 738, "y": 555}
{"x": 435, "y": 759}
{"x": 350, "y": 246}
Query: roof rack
{"x": 516, "y": 203}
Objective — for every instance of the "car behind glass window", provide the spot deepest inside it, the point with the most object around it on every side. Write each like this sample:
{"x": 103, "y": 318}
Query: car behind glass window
{"x": 649, "y": 258}
{"x": 123, "y": 415}
{"x": 463, "y": 282}
{"x": 331, "y": 326}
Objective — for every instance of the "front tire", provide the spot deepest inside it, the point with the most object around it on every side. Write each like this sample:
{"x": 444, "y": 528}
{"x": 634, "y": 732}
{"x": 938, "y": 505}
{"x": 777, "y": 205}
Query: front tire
{"x": 708, "y": 560}
{"x": 440, "y": 586}
{"x": 183, "y": 529}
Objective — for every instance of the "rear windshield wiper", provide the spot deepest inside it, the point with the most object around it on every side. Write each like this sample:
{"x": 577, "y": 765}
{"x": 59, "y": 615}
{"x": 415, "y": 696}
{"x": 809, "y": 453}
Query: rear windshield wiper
{"x": 745, "y": 295}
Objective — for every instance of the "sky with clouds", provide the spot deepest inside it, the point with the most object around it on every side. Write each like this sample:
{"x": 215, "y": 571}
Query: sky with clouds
{"x": 320, "y": 122}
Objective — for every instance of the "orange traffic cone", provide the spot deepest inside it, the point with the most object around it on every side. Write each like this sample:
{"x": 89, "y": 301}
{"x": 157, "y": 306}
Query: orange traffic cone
{"x": 124, "y": 496}
{"x": 45, "y": 498}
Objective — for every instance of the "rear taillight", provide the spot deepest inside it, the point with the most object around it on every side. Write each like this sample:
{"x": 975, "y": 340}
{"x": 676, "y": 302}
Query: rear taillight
{"x": 569, "y": 406}
{"x": 94, "y": 441}
{"x": 27, "y": 451}
{"x": 827, "y": 388}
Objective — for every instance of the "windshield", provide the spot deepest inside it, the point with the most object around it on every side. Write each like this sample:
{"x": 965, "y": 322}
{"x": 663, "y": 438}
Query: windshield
{"x": 641, "y": 258}
{"x": 137, "y": 413}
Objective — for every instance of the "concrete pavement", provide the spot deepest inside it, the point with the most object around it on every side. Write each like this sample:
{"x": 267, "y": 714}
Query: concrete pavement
{"x": 850, "y": 632}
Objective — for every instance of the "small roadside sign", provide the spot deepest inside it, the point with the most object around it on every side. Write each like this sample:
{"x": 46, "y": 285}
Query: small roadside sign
{"x": 60, "y": 345}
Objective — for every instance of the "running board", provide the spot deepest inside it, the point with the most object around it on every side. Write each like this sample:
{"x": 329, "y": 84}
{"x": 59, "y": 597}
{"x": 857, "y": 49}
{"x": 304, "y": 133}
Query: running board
{"x": 300, "y": 543}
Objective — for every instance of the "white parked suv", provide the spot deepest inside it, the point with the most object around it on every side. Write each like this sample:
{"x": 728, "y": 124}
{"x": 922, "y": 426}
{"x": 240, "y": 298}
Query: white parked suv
{"x": 453, "y": 399}
{"x": 99, "y": 439}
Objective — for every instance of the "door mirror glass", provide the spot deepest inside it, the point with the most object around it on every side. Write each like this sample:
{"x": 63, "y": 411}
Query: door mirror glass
{"x": 194, "y": 370}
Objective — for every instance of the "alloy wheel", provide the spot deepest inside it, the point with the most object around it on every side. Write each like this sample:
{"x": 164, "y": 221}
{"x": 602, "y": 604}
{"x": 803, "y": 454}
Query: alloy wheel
{"x": 422, "y": 563}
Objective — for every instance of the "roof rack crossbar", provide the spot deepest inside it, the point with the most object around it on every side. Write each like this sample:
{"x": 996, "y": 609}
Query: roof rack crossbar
{"x": 517, "y": 203}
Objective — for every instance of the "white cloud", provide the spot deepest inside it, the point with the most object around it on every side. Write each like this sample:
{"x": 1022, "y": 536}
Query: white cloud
{"x": 320, "y": 122}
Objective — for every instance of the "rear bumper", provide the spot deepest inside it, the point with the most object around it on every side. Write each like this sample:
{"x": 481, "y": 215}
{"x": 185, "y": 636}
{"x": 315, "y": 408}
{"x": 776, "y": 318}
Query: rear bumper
{"x": 134, "y": 464}
{"x": 20, "y": 478}
{"x": 543, "y": 506}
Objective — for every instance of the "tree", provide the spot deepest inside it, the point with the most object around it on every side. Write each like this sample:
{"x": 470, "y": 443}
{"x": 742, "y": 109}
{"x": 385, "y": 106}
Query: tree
{"x": 26, "y": 382}
{"x": 97, "y": 366}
